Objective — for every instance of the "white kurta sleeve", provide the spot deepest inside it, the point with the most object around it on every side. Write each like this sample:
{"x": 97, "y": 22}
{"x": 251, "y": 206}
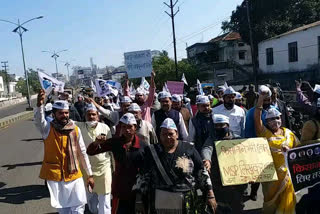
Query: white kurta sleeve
{"x": 183, "y": 129}
{"x": 83, "y": 155}
{"x": 192, "y": 132}
{"x": 42, "y": 125}
{"x": 113, "y": 116}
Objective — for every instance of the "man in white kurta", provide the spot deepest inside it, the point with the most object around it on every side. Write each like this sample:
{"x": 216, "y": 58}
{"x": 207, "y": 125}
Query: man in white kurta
{"x": 66, "y": 196}
{"x": 99, "y": 199}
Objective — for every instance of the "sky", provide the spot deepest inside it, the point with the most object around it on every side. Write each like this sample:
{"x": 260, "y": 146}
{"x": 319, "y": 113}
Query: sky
{"x": 104, "y": 29}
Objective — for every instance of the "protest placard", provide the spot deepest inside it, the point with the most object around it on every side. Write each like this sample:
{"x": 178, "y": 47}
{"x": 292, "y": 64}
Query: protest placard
{"x": 175, "y": 87}
{"x": 245, "y": 160}
{"x": 104, "y": 88}
{"x": 304, "y": 166}
{"x": 138, "y": 63}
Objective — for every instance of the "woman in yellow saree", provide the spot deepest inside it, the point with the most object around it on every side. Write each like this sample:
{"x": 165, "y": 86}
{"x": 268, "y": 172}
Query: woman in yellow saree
{"x": 279, "y": 196}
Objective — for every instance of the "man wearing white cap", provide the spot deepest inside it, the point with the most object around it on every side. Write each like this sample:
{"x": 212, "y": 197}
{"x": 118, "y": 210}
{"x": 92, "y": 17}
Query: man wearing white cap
{"x": 229, "y": 198}
{"x": 99, "y": 199}
{"x": 177, "y": 105}
{"x": 201, "y": 125}
{"x": 238, "y": 101}
{"x": 166, "y": 111}
{"x": 237, "y": 115}
{"x": 169, "y": 167}
{"x": 73, "y": 112}
{"x": 141, "y": 98}
{"x": 114, "y": 116}
{"x": 128, "y": 151}
{"x": 64, "y": 149}
{"x": 145, "y": 130}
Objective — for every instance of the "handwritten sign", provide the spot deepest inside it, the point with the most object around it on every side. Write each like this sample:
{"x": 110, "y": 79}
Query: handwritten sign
{"x": 175, "y": 87}
{"x": 244, "y": 160}
{"x": 304, "y": 166}
{"x": 138, "y": 63}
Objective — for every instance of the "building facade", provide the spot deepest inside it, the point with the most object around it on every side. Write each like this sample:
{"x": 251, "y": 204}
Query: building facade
{"x": 222, "y": 59}
{"x": 294, "y": 51}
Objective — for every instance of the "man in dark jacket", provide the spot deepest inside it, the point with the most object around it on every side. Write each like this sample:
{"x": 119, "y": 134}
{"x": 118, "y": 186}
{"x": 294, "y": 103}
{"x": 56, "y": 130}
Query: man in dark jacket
{"x": 201, "y": 125}
{"x": 165, "y": 112}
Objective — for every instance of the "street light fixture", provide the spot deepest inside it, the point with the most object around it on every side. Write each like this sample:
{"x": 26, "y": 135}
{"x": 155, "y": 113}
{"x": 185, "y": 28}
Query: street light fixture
{"x": 20, "y": 30}
{"x": 55, "y": 56}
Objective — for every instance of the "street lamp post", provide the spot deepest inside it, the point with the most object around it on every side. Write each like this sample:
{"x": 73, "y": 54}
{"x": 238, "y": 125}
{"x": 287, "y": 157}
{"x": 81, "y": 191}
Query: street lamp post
{"x": 55, "y": 56}
{"x": 20, "y": 30}
{"x": 67, "y": 65}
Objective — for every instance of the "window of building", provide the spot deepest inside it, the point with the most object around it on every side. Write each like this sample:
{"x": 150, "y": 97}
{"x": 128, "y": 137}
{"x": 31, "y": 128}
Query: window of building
{"x": 293, "y": 51}
{"x": 242, "y": 55}
{"x": 269, "y": 56}
{"x": 319, "y": 47}
{"x": 241, "y": 44}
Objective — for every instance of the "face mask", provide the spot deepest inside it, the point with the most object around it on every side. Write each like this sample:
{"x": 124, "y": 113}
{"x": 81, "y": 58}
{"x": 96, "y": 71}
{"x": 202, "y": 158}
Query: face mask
{"x": 92, "y": 123}
{"x": 274, "y": 124}
{"x": 222, "y": 132}
{"x": 266, "y": 106}
{"x": 229, "y": 105}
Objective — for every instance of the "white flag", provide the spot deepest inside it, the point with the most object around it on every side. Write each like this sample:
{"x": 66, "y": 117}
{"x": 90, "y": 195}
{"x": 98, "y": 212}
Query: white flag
{"x": 226, "y": 85}
{"x": 165, "y": 88}
{"x": 183, "y": 79}
{"x": 199, "y": 87}
{"x": 132, "y": 90}
{"x": 93, "y": 87}
{"x": 49, "y": 83}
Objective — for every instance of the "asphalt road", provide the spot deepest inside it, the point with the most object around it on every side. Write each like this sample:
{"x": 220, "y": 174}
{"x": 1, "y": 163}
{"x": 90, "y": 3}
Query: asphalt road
{"x": 21, "y": 190}
{"x": 15, "y": 109}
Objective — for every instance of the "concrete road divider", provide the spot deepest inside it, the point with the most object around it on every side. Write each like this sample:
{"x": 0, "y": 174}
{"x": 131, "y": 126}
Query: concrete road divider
{"x": 6, "y": 121}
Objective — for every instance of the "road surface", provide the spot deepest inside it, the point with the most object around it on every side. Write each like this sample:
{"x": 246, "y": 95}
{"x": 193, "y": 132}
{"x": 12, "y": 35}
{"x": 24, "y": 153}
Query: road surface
{"x": 15, "y": 109}
{"x": 21, "y": 190}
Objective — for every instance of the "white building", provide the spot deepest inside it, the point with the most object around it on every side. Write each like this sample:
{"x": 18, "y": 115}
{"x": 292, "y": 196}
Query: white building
{"x": 296, "y": 50}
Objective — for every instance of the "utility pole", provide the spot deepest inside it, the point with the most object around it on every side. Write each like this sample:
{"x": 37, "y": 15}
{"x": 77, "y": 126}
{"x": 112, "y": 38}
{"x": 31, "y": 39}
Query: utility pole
{"x": 253, "y": 55}
{"x": 172, "y": 15}
{"x": 67, "y": 65}
{"x": 5, "y": 66}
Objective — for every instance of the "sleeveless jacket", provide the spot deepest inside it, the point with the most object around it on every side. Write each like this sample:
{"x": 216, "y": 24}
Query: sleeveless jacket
{"x": 204, "y": 128}
{"x": 54, "y": 165}
{"x": 161, "y": 115}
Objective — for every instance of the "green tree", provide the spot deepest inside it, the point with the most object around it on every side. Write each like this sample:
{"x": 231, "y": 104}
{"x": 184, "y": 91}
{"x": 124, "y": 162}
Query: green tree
{"x": 272, "y": 17}
{"x": 164, "y": 68}
{"x": 34, "y": 84}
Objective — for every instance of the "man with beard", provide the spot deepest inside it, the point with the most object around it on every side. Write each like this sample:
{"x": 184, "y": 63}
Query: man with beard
{"x": 250, "y": 130}
{"x": 113, "y": 116}
{"x": 237, "y": 115}
{"x": 64, "y": 149}
{"x": 165, "y": 112}
{"x": 141, "y": 98}
{"x": 145, "y": 130}
{"x": 99, "y": 199}
{"x": 73, "y": 112}
{"x": 177, "y": 105}
{"x": 201, "y": 125}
